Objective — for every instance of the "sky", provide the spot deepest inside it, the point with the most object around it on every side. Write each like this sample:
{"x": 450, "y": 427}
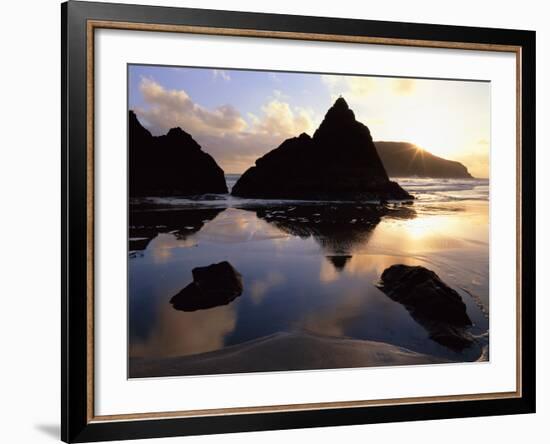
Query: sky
{"x": 237, "y": 116}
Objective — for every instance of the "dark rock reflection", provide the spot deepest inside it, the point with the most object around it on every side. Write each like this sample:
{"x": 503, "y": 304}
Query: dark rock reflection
{"x": 147, "y": 221}
{"x": 338, "y": 229}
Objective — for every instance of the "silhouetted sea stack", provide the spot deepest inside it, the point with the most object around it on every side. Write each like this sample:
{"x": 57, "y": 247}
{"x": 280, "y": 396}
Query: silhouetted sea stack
{"x": 340, "y": 161}
{"x": 403, "y": 159}
{"x": 173, "y": 164}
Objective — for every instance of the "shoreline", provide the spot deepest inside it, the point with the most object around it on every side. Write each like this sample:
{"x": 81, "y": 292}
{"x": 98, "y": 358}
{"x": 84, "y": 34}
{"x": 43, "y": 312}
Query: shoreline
{"x": 440, "y": 190}
{"x": 325, "y": 249}
{"x": 282, "y": 351}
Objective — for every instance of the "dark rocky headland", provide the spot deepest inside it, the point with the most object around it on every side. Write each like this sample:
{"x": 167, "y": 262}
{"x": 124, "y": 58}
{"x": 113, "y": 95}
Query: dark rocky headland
{"x": 340, "y": 161}
{"x": 403, "y": 159}
{"x": 172, "y": 164}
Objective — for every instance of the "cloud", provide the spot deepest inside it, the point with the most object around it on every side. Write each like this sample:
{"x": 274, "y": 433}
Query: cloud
{"x": 223, "y": 131}
{"x": 356, "y": 87}
{"x": 279, "y": 119}
{"x": 477, "y": 161}
{"x": 220, "y": 74}
{"x": 403, "y": 86}
{"x": 170, "y": 108}
{"x": 350, "y": 86}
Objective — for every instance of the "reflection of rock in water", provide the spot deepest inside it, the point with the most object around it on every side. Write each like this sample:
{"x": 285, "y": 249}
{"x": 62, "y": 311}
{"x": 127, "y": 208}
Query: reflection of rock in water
{"x": 146, "y": 221}
{"x": 431, "y": 303}
{"x": 140, "y": 238}
{"x": 337, "y": 228}
{"x": 214, "y": 285}
{"x": 339, "y": 261}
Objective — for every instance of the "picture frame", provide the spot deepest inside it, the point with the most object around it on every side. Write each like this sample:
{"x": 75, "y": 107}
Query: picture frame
{"x": 80, "y": 21}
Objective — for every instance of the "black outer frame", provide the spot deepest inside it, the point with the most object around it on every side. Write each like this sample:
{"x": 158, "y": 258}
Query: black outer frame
{"x": 74, "y": 423}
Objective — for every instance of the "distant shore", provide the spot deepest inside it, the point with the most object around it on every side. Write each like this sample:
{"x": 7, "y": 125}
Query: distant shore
{"x": 283, "y": 351}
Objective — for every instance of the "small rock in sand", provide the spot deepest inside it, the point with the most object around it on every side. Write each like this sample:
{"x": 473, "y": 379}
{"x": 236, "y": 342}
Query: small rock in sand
{"x": 431, "y": 302}
{"x": 214, "y": 285}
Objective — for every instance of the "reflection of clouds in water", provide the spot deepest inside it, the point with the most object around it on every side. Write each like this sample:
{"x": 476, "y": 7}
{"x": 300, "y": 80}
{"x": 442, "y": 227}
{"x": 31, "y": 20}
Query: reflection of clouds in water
{"x": 180, "y": 333}
{"x": 260, "y": 287}
{"x": 360, "y": 265}
{"x": 234, "y": 226}
{"x": 334, "y": 320}
{"x": 162, "y": 247}
{"x": 148, "y": 221}
{"x": 328, "y": 273}
{"x": 230, "y": 226}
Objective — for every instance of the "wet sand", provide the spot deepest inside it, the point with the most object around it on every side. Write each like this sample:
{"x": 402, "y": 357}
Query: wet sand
{"x": 283, "y": 351}
{"x": 310, "y": 274}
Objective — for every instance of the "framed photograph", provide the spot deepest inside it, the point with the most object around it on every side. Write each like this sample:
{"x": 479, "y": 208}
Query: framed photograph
{"x": 275, "y": 221}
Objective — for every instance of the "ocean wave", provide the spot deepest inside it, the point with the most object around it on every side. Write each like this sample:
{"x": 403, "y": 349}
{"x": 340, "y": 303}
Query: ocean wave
{"x": 431, "y": 185}
{"x": 446, "y": 190}
{"x": 227, "y": 201}
{"x": 424, "y": 190}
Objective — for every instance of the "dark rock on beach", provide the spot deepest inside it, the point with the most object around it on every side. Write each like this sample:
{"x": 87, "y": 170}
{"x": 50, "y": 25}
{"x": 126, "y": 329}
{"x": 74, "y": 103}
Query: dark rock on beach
{"x": 431, "y": 302}
{"x": 212, "y": 286}
{"x": 403, "y": 159}
{"x": 426, "y": 294}
{"x": 340, "y": 161}
{"x": 172, "y": 164}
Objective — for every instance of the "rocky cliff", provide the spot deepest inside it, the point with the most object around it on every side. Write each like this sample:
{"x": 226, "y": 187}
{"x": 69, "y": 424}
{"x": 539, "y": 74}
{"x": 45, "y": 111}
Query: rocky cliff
{"x": 403, "y": 159}
{"x": 172, "y": 164}
{"x": 340, "y": 161}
